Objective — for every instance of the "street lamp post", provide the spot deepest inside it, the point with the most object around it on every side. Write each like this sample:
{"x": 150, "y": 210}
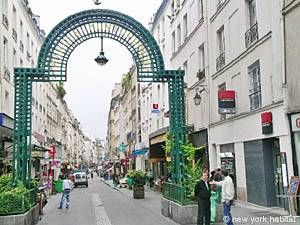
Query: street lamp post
{"x": 197, "y": 98}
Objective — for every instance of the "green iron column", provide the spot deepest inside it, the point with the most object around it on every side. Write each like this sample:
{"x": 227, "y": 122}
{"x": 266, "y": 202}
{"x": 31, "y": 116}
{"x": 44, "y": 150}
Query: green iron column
{"x": 177, "y": 124}
{"x": 22, "y": 128}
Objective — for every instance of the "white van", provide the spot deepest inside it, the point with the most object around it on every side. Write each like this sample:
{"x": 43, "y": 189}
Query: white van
{"x": 80, "y": 178}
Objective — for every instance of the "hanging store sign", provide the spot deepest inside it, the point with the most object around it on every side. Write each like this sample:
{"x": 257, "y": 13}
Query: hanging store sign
{"x": 267, "y": 123}
{"x": 295, "y": 120}
{"x": 155, "y": 108}
{"x": 226, "y": 99}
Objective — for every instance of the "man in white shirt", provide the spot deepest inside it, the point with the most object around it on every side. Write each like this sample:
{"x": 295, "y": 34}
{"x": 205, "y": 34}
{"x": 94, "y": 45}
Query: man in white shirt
{"x": 67, "y": 187}
{"x": 227, "y": 196}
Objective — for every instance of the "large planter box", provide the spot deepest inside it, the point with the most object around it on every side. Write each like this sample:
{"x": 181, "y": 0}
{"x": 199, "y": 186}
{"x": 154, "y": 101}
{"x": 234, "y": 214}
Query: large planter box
{"x": 184, "y": 214}
{"x": 29, "y": 218}
{"x": 138, "y": 192}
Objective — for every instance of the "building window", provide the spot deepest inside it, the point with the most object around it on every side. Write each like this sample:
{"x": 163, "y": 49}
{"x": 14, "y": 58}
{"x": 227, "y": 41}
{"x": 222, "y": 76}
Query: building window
{"x": 252, "y": 12}
{"x": 254, "y": 86}
{"x": 4, "y": 7}
{"x": 178, "y": 35}
{"x": 252, "y": 33}
{"x": 222, "y": 87}
{"x": 185, "y": 67}
{"x": 27, "y": 42}
{"x": 21, "y": 30}
{"x": 14, "y": 21}
{"x": 200, "y": 7}
{"x": 221, "y": 48}
{"x": 158, "y": 33}
{"x": 173, "y": 42}
{"x": 163, "y": 28}
{"x": 201, "y": 72}
{"x": 173, "y": 7}
{"x": 5, "y": 53}
{"x": 185, "y": 27}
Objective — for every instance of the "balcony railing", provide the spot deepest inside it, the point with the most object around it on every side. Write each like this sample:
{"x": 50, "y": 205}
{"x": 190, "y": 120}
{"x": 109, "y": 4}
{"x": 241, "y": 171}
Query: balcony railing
{"x": 5, "y": 21}
{"x": 14, "y": 35}
{"x": 220, "y": 62}
{"x": 251, "y": 36}
{"x": 201, "y": 74}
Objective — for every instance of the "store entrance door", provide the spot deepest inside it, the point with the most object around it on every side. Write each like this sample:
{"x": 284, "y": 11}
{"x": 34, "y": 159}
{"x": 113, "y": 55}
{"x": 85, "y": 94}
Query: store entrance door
{"x": 279, "y": 167}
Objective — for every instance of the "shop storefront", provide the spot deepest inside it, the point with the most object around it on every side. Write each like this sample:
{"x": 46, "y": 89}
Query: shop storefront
{"x": 157, "y": 154}
{"x": 6, "y": 148}
{"x": 295, "y": 126}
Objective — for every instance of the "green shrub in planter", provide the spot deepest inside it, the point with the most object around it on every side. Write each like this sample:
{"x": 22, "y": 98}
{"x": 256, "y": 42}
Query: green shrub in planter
{"x": 14, "y": 201}
{"x": 138, "y": 177}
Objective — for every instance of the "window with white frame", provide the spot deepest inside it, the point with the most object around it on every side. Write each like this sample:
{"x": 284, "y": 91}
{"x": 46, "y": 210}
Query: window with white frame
{"x": 185, "y": 67}
{"x": 252, "y": 12}
{"x": 221, "y": 40}
{"x": 5, "y": 53}
{"x": 185, "y": 27}
{"x": 163, "y": 27}
{"x": 27, "y": 42}
{"x": 158, "y": 33}
{"x": 178, "y": 35}
{"x": 21, "y": 30}
{"x": 201, "y": 57}
{"x": 14, "y": 21}
{"x": 254, "y": 86}
{"x": 173, "y": 42}
{"x": 173, "y": 7}
{"x": 4, "y": 7}
{"x": 200, "y": 9}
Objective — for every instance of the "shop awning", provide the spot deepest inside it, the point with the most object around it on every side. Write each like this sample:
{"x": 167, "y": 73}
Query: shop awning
{"x": 142, "y": 151}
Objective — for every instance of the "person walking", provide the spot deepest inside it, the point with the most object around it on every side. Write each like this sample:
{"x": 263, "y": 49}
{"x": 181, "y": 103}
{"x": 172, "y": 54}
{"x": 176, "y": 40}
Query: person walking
{"x": 202, "y": 191}
{"x": 227, "y": 195}
{"x": 67, "y": 187}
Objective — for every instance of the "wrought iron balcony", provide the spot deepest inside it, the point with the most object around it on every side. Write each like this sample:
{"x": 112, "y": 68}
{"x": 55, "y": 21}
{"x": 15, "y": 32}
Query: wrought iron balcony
{"x": 201, "y": 74}
{"x": 251, "y": 36}
{"x": 220, "y": 62}
{"x": 14, "y": 35}
{"x": 5, "y": 21}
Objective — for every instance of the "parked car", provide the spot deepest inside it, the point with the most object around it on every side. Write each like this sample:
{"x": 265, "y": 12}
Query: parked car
{"x": 80, "y": 178}
{"x": 123, "y": 182}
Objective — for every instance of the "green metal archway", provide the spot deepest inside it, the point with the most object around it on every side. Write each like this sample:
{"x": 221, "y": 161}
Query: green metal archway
{"x": 52, "y": 66}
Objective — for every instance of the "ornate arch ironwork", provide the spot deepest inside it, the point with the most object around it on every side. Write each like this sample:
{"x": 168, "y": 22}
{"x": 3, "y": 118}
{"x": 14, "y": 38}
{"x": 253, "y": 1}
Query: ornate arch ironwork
{"x": 52, "y": 66}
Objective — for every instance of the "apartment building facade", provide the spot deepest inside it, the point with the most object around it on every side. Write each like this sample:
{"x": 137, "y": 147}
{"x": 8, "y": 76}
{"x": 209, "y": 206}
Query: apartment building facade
{"x": 232, "y": 55}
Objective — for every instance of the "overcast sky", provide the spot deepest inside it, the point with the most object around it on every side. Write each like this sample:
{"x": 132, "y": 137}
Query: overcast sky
{"x": 89, "y": 85}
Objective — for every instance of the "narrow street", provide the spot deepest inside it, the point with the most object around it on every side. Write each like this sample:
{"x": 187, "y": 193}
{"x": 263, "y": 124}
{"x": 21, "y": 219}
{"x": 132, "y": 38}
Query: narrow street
{"x": 109, "y": 205}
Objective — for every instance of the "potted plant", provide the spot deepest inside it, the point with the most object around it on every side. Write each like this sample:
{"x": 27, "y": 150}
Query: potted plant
{"x": 138, "y": 178}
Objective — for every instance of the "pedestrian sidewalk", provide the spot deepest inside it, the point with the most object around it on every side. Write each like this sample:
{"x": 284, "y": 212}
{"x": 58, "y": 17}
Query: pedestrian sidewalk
{"x": 151, "y": 201}
{"x": 243, "y": 213}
